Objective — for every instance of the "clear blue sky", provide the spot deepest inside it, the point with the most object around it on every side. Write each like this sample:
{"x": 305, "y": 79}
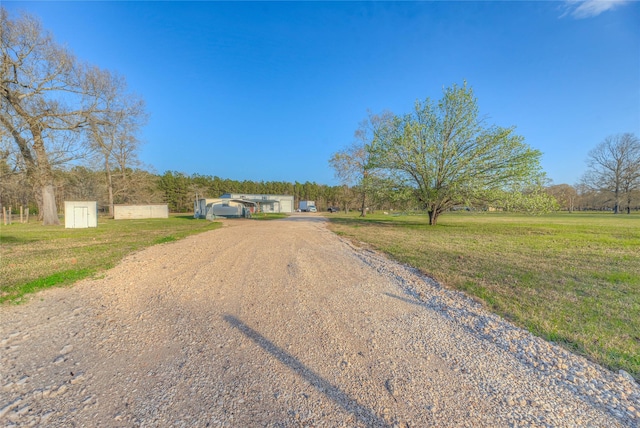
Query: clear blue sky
{"x": 269, "y": 90}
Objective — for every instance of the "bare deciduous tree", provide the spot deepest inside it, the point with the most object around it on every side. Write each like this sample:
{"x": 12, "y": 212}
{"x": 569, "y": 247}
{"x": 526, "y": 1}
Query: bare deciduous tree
{"x": 614, "y": 167}
{"x": 112, "y": 131}
{"x": 44, "y": 96}
{"x": 352, "y": 165}
{"x": 565, "y": 194}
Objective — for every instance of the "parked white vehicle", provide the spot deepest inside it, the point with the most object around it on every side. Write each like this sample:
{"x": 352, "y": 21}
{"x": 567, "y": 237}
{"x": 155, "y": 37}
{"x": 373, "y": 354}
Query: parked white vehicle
{"x": 307, "y": 206}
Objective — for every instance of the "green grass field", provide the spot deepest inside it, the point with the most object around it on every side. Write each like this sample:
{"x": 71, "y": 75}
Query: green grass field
{"x": 33, "y": 257}
{"x": 570, "y": 278}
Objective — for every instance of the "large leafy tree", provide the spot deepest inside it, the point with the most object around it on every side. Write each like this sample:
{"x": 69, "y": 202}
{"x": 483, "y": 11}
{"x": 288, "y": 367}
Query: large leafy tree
{"x": 450, "y": 156}
{"x": 614, "y": 168}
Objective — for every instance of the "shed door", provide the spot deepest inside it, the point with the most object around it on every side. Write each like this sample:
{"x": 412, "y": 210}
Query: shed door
{"x": 80, "y": 217}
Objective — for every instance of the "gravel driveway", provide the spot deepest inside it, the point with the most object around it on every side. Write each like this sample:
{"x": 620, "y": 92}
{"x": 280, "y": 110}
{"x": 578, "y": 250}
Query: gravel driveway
{"x": 282, "y": 323}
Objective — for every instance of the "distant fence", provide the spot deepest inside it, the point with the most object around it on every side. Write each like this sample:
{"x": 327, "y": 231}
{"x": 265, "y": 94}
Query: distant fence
{"x": 130, "y": 212}
{"x": 7, "y": 215}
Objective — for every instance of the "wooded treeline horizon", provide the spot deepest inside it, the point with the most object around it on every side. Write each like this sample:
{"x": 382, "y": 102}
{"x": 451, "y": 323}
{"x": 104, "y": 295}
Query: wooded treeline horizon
{"x": 179, "y": 190}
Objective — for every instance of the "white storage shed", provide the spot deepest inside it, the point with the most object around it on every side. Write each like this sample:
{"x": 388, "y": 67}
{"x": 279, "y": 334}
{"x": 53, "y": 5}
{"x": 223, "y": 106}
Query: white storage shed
{"x": 80, "y": 214}
{"x": 131, "y": 212}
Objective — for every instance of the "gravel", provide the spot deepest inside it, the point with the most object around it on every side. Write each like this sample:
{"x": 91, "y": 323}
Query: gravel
{"x": 280, "y": 324}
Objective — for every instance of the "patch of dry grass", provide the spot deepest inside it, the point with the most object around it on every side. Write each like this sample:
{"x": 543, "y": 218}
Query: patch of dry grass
{"x": 570, "y": 278}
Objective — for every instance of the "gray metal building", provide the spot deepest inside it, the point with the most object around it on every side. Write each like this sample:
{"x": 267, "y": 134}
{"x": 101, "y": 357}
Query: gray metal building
{"x": 211, "y": 208}
{"x": 266, "y": 203}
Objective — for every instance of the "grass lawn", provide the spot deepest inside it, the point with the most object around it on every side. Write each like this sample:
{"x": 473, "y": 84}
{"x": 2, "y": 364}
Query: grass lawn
{"x": 33, "y": 257}
{"x": 570, "y": 278}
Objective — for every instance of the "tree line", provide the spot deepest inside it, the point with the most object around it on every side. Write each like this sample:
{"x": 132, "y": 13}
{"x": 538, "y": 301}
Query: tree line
{"x": 179, "y": 190}
{"x": 138, "y": 186}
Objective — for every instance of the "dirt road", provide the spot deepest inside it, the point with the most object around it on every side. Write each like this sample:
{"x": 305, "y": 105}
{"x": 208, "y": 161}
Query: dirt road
{"x": 282, "y": 323}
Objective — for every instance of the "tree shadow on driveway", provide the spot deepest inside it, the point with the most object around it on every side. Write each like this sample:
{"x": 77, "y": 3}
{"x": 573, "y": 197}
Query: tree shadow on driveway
{"x": 365, "y": 415}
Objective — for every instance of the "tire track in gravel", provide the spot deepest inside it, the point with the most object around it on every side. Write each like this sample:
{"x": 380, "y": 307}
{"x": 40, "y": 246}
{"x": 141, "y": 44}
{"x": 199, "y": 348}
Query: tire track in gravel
{"x": 282, "y": 324}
